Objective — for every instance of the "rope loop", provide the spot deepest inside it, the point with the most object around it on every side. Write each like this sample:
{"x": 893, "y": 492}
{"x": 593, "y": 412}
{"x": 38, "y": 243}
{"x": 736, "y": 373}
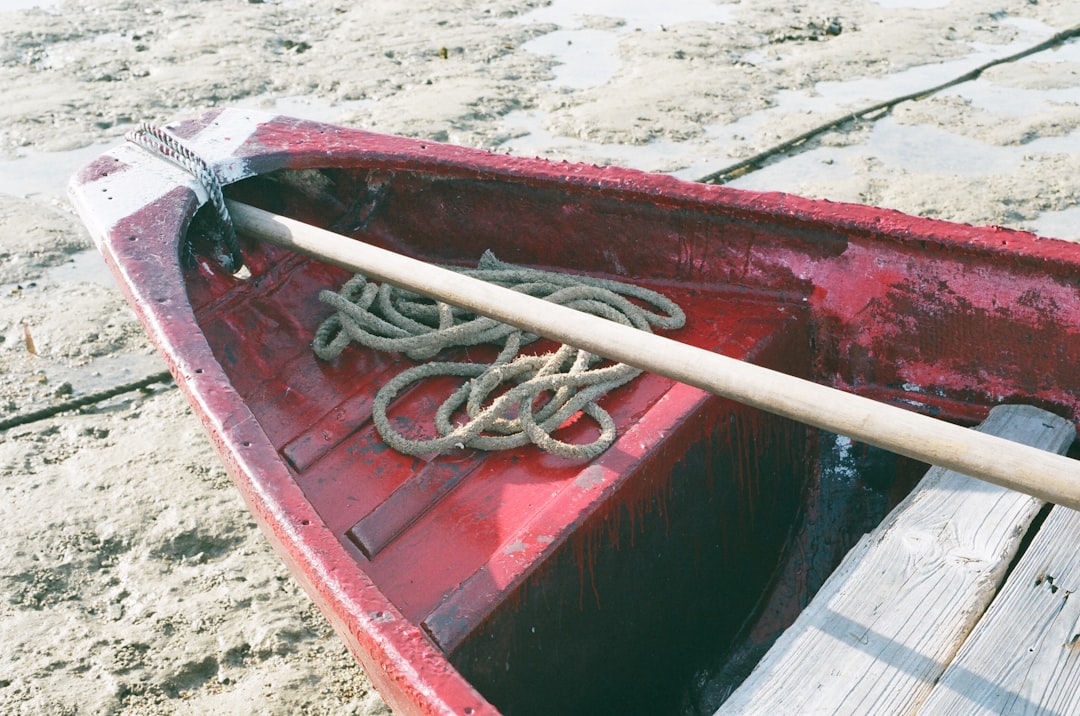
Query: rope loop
{"x": 161, "y": 143}
{"x": 518, "y": 398}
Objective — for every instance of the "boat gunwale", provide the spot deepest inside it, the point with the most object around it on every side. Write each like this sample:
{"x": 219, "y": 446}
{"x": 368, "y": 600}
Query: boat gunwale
{"x": 361, "y": 149}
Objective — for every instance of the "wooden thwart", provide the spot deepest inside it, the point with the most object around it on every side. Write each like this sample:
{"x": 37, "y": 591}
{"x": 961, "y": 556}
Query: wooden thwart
{"x": 1024, "y": 654}
{"x": 888, "y": 623}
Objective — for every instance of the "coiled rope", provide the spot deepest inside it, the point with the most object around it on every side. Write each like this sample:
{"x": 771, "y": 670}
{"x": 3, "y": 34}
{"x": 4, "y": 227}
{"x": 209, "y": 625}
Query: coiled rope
{"x": 516, "y": 399}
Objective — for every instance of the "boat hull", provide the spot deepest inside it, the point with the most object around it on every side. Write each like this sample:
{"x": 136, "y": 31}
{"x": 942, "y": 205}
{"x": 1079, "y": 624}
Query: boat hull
{"x": 471, "y": 582}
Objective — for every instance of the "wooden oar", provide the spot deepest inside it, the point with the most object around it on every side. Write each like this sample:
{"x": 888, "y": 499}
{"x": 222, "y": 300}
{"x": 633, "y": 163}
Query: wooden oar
{"x": 1045, "y": 475}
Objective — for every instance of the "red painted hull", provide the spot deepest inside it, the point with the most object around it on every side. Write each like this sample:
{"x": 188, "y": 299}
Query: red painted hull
{"x": 520, "y": 582}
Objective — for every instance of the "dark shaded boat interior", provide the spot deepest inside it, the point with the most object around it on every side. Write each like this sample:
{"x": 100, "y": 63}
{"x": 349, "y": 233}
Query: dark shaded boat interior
{"x": 717, "y": 522}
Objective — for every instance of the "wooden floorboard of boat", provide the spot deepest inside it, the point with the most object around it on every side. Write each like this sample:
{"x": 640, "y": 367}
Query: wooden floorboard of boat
{"x": 883, "y": 629}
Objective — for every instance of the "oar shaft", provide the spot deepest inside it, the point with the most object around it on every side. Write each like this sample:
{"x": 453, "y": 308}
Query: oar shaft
{"x": 1002, "y": 462}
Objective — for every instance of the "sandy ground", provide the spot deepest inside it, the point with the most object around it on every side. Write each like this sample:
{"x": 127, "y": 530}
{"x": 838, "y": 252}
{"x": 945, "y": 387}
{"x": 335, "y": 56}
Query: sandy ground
{"x": 131, "y": 579}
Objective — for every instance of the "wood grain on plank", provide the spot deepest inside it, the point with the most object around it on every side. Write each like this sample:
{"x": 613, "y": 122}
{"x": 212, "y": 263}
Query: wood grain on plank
{"x": 1024, "y": 655}
{"x": 886, "y": 624}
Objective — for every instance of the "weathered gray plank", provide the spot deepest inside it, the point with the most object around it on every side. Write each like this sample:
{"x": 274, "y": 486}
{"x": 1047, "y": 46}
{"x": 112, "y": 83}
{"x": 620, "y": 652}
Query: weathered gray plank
{"x": 1023, "y": 656}
{"x": 882, "y": 629}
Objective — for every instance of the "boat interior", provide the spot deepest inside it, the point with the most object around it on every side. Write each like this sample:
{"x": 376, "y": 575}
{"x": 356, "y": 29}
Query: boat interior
{"x": 654, "y": 577}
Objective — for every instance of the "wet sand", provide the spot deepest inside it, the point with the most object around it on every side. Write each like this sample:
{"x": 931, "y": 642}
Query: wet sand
{"x": 132, "y": 579}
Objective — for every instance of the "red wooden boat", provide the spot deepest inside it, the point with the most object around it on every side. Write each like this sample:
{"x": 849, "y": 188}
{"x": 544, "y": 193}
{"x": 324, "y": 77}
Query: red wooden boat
{"x": 518, "y": 581}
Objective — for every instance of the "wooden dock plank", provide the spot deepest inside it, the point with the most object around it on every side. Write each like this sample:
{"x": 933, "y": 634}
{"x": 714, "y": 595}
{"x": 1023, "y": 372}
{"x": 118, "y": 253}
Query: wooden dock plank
{"x": 1024, "y": 654}
{"x": 884, "y": 626}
